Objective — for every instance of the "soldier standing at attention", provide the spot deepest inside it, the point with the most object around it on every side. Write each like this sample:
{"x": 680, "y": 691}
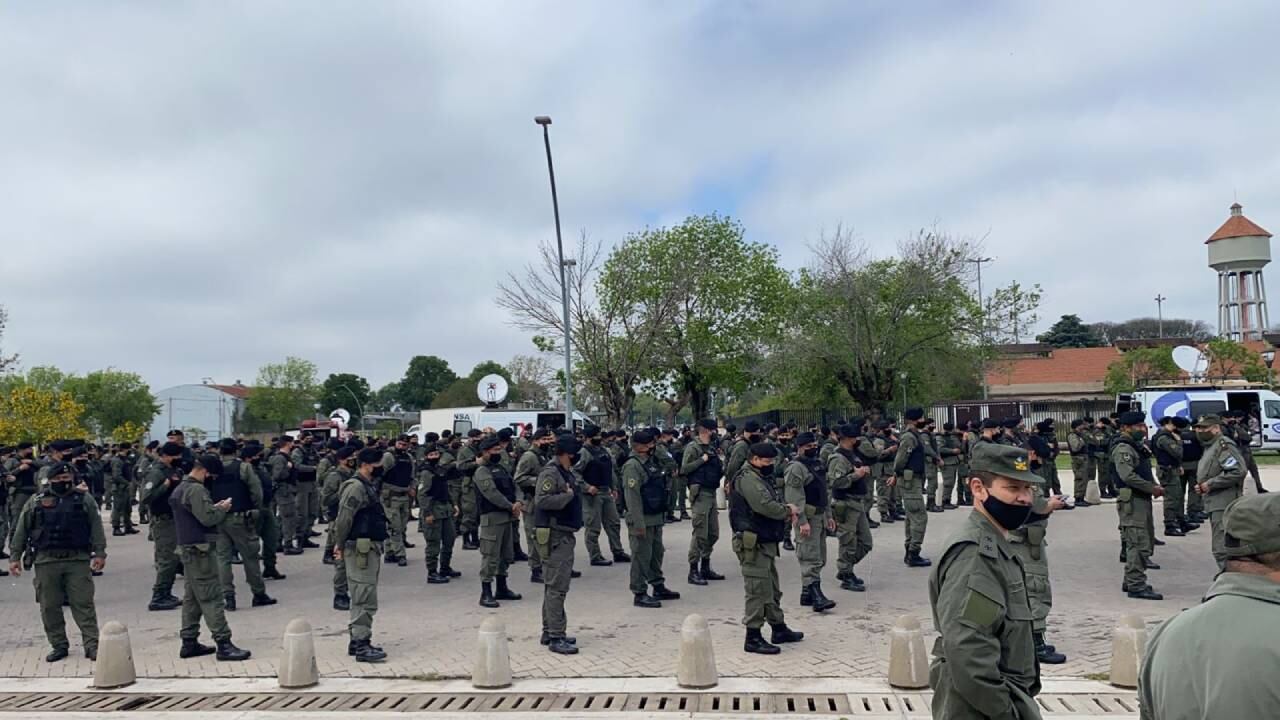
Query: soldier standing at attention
{"x": 496, "y": 493}
{"x": 359, "y": 531}
{"x": 1095, "y": 464}
{"x": 1167, "y": 448}
{"x": 984, "y": 662}
{"x": 1203, "y": 663}
{"x": 557, "y": 515}
{"x": 909, "y": 467}
{"x": 528, "y": 467}
{"x": 1106, "y": 434}
{"x": 62, "y": 527}
{"x": 805, "y": 482}
{"x": 196, "y": 519}
{"x": 121, "y": 487}
{"x": 397, "y": 497}
{"x": 646, "y": 500}
{"x": 600, "y": 498}
{"x": 284, "y": 477}
{"x": 339, "y": 471}
{"x": 1238, "y": 422}
{"x": 739, "y": 452}
{"x": 436, "y": 515}
{"x": 1135, "y": 486}
{"x": 1048, "y": 435}
{"x": 1192, "y": 451}
{"x": 467, "y": 463}
{"x": 933, "y": 465}
{"x": 759, "y": 518}
{"x": 238, "y": 532}
{"x": 1028, "y": 542}
{"x": 1078, "y": 446}
{"x": 951, "y": 448}
{"x": 20, "y": 472}
{"x": 305, "y": 459}
{"x": 163, "y": 476}
{"x": 701, "y": 466}
{"x": 1220, "y": 478}
{"x": 846, "y": 475}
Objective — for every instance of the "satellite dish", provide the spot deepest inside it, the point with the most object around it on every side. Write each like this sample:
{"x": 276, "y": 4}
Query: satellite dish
{"x": 1190, "y": 360}
{"x": 341, "y": 415}
{"x": 492, "y": 389}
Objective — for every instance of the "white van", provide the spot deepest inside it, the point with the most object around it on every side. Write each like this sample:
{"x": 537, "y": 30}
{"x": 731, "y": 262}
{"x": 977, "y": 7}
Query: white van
{"x": 1191, "y": 401}
{"x": 461, "y": 420}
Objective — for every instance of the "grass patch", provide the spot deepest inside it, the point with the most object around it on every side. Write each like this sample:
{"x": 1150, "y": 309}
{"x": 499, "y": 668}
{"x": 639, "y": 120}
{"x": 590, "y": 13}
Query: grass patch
{"x": 1100, "y": 677}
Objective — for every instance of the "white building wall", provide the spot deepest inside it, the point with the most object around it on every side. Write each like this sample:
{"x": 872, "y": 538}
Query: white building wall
{"x": 195, "y": 406}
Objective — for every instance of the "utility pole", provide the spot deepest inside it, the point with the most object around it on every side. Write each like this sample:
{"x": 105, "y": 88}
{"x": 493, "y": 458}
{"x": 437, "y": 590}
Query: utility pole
{"x": 545, "y": 122}
{"x": 982, "y": 324}
{"x": 1160, "y": 315}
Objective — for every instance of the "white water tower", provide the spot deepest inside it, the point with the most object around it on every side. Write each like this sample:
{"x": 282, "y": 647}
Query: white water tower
{"x": 1238, "y": 251}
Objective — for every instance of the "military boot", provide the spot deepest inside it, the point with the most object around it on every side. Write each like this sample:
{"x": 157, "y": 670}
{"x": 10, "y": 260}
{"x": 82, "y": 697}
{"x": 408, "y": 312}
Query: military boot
{"x": 117, "y": 532}
{"x": 327, "y": 558}
{"x": 229, "y": 603}
{"x": 933, "y": 508}
{"x": 621, "y": 557}
{"x": 290, "y": 548}
{"x": 887, "y": 518}
{"x": 821, "y": 603}
{"x": 1173, "y": 531}
{"x": 131, "y": 530}
{"x": 486, "y": 596}
{"x": 645, "y": 601}
{"x": 56, "y": 654}
{"x": 806, "y": 596}
{"x": 341, "y": 602}
{"x": 783, "y": 634}
{"x": 853, "y": 583}
{"x": 517, "y": 553}
{"x": 1187, "y": 526}
{"x": 707, "y": 572}
{"x": 535, "y": 576}
{"x": 661, "y": 592}
{"x": 433, "y": 575}
{"x": 695, "y": 576}
{"x": 755, "y": 643}
{"x": 562, "y": 646}
{"x": 262, "y": 600}
{"x": 353, "y": 646}
{"x": 192, "y": 648}
{"x": 447, "y": 571}
{"x": 160, "y": 601}
{"x": 1145, "y": 593}
{"x": 546, "y": 639}
{"x": 366, "y": 652}
{"x": 1045, "y": 654}
{"x": 228, "y": 652}
{"x": 787, "y": 544}
{"x": 913, "y": 559}
{"x": 272, "y": 574}
{"x": 504, "y": 592}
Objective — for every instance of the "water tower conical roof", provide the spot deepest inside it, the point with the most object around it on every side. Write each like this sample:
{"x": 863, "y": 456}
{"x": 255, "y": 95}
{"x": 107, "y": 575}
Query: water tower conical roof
{"x": 1237, "y": 226}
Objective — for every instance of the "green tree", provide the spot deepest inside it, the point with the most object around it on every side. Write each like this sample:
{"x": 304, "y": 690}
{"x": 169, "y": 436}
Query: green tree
{"x": 385, "y": 398}
{"x": 462, "y": 392}
{"x": 1140, "y": 367}
{"x": 726, "y": 294}
{"x": 284, "y": 393}
{"x": 1069, "y": 331}
{"x": 7, "y": 362}
{"x": 345, "y": 390}
{"x": 427, "y": 375}
{"x": 112, "y": 398}
{"x": 1230, "y": 359}
{"x": 1149, "y": 328}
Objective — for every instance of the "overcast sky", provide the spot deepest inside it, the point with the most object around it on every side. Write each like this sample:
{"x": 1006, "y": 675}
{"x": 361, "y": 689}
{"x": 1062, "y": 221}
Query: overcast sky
{"x": 190, "y": 190}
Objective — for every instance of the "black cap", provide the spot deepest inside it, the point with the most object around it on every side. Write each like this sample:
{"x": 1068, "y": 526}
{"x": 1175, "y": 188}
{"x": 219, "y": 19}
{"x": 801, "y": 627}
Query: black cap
{"x": 60, "y": 468}
{"x": 24, "y": 445}
{"x": 431, "y": 437}
{"x": 764, "y": 450}
{"x": 474, "y": 432}
{"x": 948, "y": 427}
{"x": 847, "y": 431}
{"x": 369, "y": 456}
{"x": 334, "y": 444}
{"x": 505, "y": 433}
{"x": 1010, "y": 423}
{"x": 1132, "y": 417}
{"x": 171, "y": 449}
{"x": 210, "y": 462}
{"x": 1077, "y": 423}
{"x": 914, "y": 413}
{"x": 542, "y": 432}
{"x": 590, "y": 431}
{"x": 806, "y": 438}
{"x": 1181, "y": 423}
{"x": 990, "y": 423}
{"x": 642, "y": 437}
{"x": 227, "y": 446}
{"x": 489, "y": 442}
{"x": 345, "y": 452}
{"x": 752, "y": 427}
{"x": 707, "y": 424}
{"x": 567, "y": 444}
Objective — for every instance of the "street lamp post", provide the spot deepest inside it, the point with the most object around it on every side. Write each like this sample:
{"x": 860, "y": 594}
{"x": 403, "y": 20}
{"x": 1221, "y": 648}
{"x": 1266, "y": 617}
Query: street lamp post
{"x": 1160, "y": 315}
{"x": 359, "y": 409}
{"x": 545, "y": 122}
{"x": 982, "y": 324}
{"x": 903, "y": 377}
{"x": 1269, "y": 357}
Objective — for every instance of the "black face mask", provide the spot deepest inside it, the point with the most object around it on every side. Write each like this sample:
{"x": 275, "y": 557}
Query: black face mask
{"x": 811, "y": 452}
{"x": 60, "y": 488}
{"x": 433, "y": 461}
{"x": 1010, "y": 517}
{"x": 595, "y": 440}
{"x": 575, "y": 457}
{"x": 377, "y": 471}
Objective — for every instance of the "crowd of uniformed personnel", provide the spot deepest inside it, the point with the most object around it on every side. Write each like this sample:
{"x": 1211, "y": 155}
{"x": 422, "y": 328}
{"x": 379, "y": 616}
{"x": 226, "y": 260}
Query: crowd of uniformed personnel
{"x": 787, "y": 488}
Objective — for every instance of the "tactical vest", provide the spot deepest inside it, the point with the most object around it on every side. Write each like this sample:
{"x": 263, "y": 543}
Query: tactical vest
{"x": 229, "y": 485}
{"x": 438, "y": 487}
{"x": 653, "y": 492}
{"x": 598, "y": 471}
{"x": 743, "y": 519}
{"x": 505, "y": 484}
{"x": 569, "y": 516}
{"x": 859, "y": 487}
{"x": 370, "y": 521}
{"x": 309, "y": 457}
{"x": 187, "y": 527}
{"x": 161, "y": 506}
{"x": 1084, "y": 446}
{"x": 1192, "y": 450}
{"x": 401, "y": 473}
{"x": 1144, "y": 464}
{"x": 1163, "y": 458}
{"x": 815, "y": 493}
{"x": 264, "y": 477}
{"x": 292, "y": 477}
{"x": 25, "y": 480}
{"x": 708, "y": 474}
{"x": 915, "y": 461}
{"x": 61, "y": 522}
{"x": 332, "y": 506}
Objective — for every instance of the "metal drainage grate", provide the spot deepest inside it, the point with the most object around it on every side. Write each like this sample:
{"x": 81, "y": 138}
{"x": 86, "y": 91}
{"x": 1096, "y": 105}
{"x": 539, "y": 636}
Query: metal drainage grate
{"x": 911, "y": 705}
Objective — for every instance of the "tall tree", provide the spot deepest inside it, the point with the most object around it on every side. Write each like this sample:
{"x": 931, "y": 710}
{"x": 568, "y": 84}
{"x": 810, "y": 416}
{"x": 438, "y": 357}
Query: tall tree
{"x": 345, "y": 390}
{"x": 1230, "y": 359}
{"x": 1140, "y": 367}
{"x": 284, "y": 392}
{"x": 1149, "y": 328}
{"x": 426, "y": 376}
{"x": 385, "y": 398}
{"x": 728, "y": 296}
{"x": 33, "y": 414}
{"x": 533, "y": 378}
{"x": 111, "y": 399}
{"x": 7, "y": 362}
{"x": 1069, "y": 331}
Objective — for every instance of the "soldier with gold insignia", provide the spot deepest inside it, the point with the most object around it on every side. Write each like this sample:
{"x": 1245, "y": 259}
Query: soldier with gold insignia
{"x": 1135, "y": 486}
{"x": 557, "y": 517}
{"x": 645, "y": 490}
{"x": 1220, "y": 477}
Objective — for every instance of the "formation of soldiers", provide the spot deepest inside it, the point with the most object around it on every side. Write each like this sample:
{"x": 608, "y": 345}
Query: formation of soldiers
{"x": 787, "y": 489}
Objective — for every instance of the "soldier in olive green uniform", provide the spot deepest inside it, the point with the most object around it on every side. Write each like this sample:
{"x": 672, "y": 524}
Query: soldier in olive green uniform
{"x": 888, "y": 494}
{"x": 984, "y": 662}
{"x": 670, "y": 466}
{"x": 1192, "y": 451}
{"x": 1135, "y": 485}
{"x": 498, "y": 506}
{"x": 739, "y": 452}
{"x": 528, "y": 467}
{"x": 1095, "y": 468}
{"x": 1220, "y": 477}
{"x": 951, "y": 449}
{"x": 238, "y": 532}
{"x": 62, "y": 527}
{"x": 701, "y": 466}
{"x": 196, "y": 518}
{"x": 121, "y": 488}
{"x": 20, "y": 473}
{"x": 600, "y": 498}
{"x": 340, "y": 469}
{"x": 305, "y": 461}
{"x": 646, "y": 492}
{"x": 759, "y": 519}
{"x": 1205, "y": 662}
{"x": 846, "y": 474}
{"x": 1078, "y": 446}
{"x": 436, "y": 515}
{"x": 398, "y": 483}
{"x": 678, "y": 498}
{"x": 933, "y": 465}
{"x": 163, "y": 476}
{"x": 557, "y": 515}
{"x": 359, "y": 530}
{"x": 1106, "y": 434}
{"x": 284, "y": 478}
{"x": 805, "y": 487}
{"x": 467, "y": 463}
{"x": 1167, "y": 447}
{"x": 910, "y": 467}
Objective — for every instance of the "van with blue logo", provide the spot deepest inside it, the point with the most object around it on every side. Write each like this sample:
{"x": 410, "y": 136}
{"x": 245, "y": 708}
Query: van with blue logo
{"x": 1261, "y": 405}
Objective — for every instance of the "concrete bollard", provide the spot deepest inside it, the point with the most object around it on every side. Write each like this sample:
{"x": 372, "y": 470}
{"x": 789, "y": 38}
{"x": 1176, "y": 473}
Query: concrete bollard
{"x": 114, "y": 667}
{"x": 721, "y": 501}
{"x": 1091, "y": 492}
{"x": 1128, "y": 643}
{"x": 298, "y": 664}
{"x": 493, "y": 663}
{"x": 908, "y": 664}
{"x": 697, "y": 666}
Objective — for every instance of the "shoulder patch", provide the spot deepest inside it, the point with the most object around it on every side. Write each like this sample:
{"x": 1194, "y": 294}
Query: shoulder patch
{"x": 1229, "y": 462}
{"x": 980, "y": 609}
{"x": 148, "y": 486}
{"x": 546, "y": 486}
{"x": 631, "y": 483}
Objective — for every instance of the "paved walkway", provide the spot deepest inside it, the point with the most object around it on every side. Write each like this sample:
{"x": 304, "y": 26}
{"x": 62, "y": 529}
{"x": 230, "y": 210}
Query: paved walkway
{"x": 429, "y": 631}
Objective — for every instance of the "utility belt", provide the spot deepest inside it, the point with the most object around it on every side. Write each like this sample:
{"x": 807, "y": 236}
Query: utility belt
{"x": 363, "y": 548}
{"x": 62, "y": 553}
{"x": 391, "y": 490}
